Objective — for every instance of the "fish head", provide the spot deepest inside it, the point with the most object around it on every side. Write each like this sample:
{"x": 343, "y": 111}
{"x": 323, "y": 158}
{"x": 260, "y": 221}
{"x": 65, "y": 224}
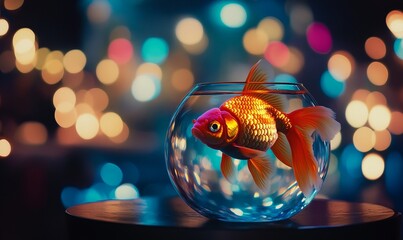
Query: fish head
{"x": 210, "y": 128}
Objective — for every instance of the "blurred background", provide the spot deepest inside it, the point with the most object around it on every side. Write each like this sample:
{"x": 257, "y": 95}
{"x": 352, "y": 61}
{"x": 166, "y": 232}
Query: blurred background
{"x": 88, "y": 87}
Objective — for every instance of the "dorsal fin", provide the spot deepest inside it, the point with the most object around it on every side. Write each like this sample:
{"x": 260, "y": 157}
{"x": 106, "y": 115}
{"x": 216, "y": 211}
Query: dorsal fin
{"x": 252, "y": 87}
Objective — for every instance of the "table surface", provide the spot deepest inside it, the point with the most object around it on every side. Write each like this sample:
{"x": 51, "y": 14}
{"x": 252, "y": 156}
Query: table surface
{"x": 164, "y": 217}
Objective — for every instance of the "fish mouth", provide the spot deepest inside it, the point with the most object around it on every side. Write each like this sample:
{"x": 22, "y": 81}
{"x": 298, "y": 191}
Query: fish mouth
{"x": 197, "y": 133}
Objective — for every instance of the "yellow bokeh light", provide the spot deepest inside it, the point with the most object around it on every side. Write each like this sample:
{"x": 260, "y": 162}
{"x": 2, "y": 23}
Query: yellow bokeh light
{"x": 272, "y": 27}
{"x": 197, "y": 48}
{"x": 360, "y": 94}
{"x": 375, "y": 48}
{"x": 394, "y": 21}
{"x": 87, "y": 126}
{"x": 375, "y": 98}
{"x": 41, "y": 55}
{"x": 383, "y": 140}
{"x": 66, "y": 119}
{"x": 396, "y": 126}
{"x": 149, "y": 68}
{"x": 372, "y": 166}
{"x": 4, "y": 26}
{"x": 335, "y": 142}
{"x": 189, "y": 31}
{"x": 111, "y": 124}
{"x": 83, "y": 108}
{"x": 233, "y": 15}
{"x": 13, "y": 4}
{"x": 364, "y": 139}
{"x": 255, "y": 41}
{"x": 295, "y": 61}
{"x": 340, "y": 65}
{"x": 97, "y": 98}
{"x": 64, "y": 99}
{"x": 32, "y": 133}
{"x": 379, "y": 117}
{"x": 74, "y": 61}
{"x": 52, "y": 71}
{"x": 182, "y": 79}
{"x": 5, "y": 148}
{"x": 24, "y": 46}
{"x": 107, "y": 71}
{"x": 123, "y": 136}
{"x": 25, "y": 68}
{"x": 356, "y": 113}
{"x": 377, "y": 73}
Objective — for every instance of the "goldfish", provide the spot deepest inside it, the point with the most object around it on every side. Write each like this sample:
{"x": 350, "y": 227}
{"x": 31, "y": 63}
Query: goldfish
{"x": 244, "y": 127}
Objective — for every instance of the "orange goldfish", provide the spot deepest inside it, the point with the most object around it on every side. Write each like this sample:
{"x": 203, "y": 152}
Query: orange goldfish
{"x": 246, "y": 126}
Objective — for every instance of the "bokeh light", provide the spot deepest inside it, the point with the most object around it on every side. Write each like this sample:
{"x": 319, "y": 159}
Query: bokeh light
{"x": 12, "y": 5}
{"x": 189, "y": 31}
{"x": 379, "y": 117}
{"x": 5, "y": 148}
{"x": 126, "y": 191}
{"x": 364, "y": 139}
{"x": 145, "y": 88}
{"x": 155, "y": 50}
{"x": 182, "y": 79}
{"x": 330, "y": 86}
{"x": 99, "y": 11}
{"x": 319, "y": 38}
{"x": 52, "y": 71}
{"x": 394, "y": 21}
{"x": 64, "y": 99}
{"x": 233, "y": 15}
{"x": 336, "y": 141}
{"x": 74, "y": 61}
{"x": 149, "y": 69}
{"x": 398, "y": 48}
{"x": 4, "y": 26}
{"x": 111, "y": 124}
{"x": 255, "y": 41}
{"x": 277, "y": 54}
{"x": 32, "y": 133}
{"x": 395, "y": 125}
{"x": 351, "y": 160}
{"x": 340, "y": 65}
{"x": 373, "y": 166}
{"x": 107, "y": 71}
{"x": 356, "y": 113}
{"x": 7, "y": 61}
{"x": 120, "y": 50}
{"x": 111, "y": 174}
{"x": 383, "y": 140}
{"x": 300, "y": 18}
{"x": 375, "y": 48}
{"x": 87, "y": 126}
{"x": 377, "y": 73}
{"x": 273, "y": 28}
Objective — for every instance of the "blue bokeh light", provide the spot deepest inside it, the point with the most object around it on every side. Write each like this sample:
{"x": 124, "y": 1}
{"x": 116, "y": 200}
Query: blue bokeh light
{"x": 330, "y": 86}
{"x": 111, "y": 174}
{"x": 398, "y": 48}
{"x": 155, "y": 50}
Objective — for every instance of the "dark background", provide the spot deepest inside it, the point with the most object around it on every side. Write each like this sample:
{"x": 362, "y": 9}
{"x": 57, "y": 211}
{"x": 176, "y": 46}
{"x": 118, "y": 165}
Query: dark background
{"x": 32, "y": 178}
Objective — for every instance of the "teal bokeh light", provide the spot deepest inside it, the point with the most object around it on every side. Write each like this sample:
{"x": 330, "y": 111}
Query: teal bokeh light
{"x": 155, "y": 50}
{"x": 284, "y": 77}
{"x": 330, "y": 86}
{"x": 398, "y": 48}
{"x": 111, "y": 174}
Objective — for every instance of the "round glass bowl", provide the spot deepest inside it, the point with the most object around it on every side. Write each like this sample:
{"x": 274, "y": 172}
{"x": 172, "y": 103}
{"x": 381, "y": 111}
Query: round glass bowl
{"x": 194, "y": 168}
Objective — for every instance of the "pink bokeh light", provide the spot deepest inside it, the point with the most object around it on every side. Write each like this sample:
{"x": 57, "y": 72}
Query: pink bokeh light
{"x": 120, "y": 50}
{"x": 319, "y": 38}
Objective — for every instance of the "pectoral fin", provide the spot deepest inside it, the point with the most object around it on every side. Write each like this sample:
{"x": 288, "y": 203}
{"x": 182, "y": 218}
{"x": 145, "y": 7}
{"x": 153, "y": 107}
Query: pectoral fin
{"x": 248, "y": 153}
{"x": 282, "y": 150}
{"x": 260, "y": 168}
{"x": 228, "y": 168}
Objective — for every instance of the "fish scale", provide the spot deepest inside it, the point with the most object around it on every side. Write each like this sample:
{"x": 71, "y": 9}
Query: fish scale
{"x": 257, "y": 124}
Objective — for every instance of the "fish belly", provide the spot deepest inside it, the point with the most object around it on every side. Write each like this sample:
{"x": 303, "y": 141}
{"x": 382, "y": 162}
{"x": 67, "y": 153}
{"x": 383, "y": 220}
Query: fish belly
{"x": 257, "y": 125}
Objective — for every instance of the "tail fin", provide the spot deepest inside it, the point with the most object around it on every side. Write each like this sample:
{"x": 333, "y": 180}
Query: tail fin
{"x": 305, "y": 121}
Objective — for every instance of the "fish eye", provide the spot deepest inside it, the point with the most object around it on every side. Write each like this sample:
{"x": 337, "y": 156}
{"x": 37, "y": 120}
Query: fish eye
{"x": 214, "y": 126}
